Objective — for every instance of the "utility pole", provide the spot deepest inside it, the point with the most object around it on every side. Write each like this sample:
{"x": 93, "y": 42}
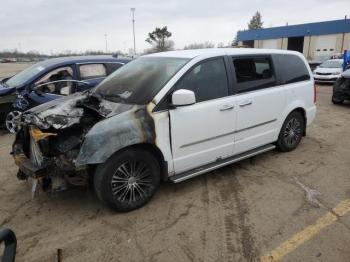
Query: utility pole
{"x": 133, "y": 27}
{"x": 106, "y": 43}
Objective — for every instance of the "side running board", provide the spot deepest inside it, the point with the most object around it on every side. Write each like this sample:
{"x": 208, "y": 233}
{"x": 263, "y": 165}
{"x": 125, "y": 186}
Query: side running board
{"x": 210, "y": 167}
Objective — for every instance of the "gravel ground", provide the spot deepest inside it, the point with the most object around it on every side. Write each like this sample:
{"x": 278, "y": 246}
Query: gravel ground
{"x": 237, "y": 213}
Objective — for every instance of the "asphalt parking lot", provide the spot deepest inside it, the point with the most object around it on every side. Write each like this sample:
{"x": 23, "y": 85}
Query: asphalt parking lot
{"x": 277, "y": 206}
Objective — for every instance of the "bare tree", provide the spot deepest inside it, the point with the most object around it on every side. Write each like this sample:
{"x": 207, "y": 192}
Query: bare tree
{"x": 206, "y": 44}
{"x": 159, "y": 39}
{"x": 221, "y": 45}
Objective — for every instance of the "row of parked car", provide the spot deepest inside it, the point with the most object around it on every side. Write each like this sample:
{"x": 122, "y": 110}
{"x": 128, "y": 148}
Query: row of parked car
{"x": 59, "y": 77}
{"x": 336, "y": 71}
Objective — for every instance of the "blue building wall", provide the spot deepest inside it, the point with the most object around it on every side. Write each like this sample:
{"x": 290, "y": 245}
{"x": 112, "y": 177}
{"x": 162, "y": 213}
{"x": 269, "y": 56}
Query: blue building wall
{"x": 320, "y": 28}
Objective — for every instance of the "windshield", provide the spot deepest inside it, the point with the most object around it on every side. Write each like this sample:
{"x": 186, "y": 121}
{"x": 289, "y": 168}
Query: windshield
{"x": 24, "y": 76}
{"x": 140, "y": 80}
{"x": 332, "y": 64}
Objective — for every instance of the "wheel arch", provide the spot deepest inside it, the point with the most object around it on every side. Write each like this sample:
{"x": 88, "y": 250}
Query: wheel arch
{"x": 297, "y": 106}
{"x": 302, "y": 111}
{"x": 149, "y": 147}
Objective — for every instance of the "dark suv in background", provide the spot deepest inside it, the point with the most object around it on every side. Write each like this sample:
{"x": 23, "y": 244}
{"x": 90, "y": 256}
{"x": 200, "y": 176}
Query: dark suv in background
{"x": 49, "y": 80}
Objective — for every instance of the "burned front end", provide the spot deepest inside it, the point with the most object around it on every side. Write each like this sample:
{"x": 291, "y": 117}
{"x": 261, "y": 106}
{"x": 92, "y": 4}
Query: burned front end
{"x": 49, "y": 140}
{"x": 60, "y": 142}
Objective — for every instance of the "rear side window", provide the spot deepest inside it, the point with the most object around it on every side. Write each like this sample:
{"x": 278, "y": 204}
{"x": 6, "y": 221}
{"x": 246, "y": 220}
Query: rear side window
{"x": 253, "y": 73}
{"x": 90, "y": 71}
{"x": 111, "y": 67}
{"x": 291, "y": 69}
{"x": 208, "y": 80}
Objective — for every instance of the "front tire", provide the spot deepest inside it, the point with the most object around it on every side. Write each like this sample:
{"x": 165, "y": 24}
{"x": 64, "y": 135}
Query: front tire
{"x": 128, "y": 180}
{"x": 291, "y": 132}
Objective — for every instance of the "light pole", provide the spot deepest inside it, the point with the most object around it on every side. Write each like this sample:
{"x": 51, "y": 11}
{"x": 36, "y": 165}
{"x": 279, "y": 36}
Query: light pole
{"x": 308, "y": 49}
{"x": 106, "y": 43}
{"x": 133, "y": 27}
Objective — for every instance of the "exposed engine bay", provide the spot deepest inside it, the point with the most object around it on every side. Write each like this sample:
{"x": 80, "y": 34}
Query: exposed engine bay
{"x": 51, "y": 137}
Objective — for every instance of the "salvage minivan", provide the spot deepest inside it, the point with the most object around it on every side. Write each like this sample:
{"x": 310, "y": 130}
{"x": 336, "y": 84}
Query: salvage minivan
{"x": 167, "y": 116}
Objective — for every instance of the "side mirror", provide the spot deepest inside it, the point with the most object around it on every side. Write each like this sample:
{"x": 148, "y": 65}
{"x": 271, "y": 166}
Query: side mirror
{"x": 9, "y": 238}
{"x": 183, "y": 97}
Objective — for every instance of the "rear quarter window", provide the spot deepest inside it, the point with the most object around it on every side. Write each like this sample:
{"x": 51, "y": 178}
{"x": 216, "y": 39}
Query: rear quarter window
{"x": 89, "y": 71}
{"x": 290, "y": 69}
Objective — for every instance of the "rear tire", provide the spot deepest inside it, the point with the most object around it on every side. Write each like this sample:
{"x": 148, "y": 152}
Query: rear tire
{"x": 128, "y": 180}
{"x": 291, "y": 132}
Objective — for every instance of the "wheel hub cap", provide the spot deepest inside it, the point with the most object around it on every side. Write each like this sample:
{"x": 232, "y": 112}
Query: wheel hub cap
{"x": 292, "y": 132}
{"x": 131, "y": 181}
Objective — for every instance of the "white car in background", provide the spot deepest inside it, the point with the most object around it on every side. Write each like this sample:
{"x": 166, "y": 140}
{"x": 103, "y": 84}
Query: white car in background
{"x": 329, "y": 71}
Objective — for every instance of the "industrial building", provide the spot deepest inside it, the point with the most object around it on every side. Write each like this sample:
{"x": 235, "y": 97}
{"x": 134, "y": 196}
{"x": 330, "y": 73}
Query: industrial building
{"x": 313, "y": 39}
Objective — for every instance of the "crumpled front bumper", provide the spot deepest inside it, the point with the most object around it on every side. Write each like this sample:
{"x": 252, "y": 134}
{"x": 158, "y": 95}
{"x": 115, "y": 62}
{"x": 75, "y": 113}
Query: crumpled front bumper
{"x": 32, "y": 163}
{"x": 25, "y": 165}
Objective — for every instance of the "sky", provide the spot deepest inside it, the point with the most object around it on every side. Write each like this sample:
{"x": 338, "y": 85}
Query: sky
{"x": 49, "y": 26}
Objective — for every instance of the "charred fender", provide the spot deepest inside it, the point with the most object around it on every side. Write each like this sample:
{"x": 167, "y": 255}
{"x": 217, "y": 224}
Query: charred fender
{"x": 112, "y": 134}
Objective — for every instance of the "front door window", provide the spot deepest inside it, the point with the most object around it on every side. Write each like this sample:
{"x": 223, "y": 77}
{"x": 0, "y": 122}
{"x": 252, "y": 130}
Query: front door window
{"x": 57, "y": 81}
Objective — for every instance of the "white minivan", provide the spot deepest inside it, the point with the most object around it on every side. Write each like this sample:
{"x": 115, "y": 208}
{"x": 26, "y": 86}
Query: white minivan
{"x": 167, "y": 116}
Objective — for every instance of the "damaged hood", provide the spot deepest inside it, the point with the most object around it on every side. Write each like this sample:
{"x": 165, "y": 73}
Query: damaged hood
{"x": 68, "y": 111}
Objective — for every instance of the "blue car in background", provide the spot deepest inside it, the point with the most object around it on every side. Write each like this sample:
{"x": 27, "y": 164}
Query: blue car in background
{"x": 49, "y": 80}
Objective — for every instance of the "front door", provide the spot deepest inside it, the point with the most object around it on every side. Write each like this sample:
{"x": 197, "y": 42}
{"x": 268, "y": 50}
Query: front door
{"x": 203, "y": 133}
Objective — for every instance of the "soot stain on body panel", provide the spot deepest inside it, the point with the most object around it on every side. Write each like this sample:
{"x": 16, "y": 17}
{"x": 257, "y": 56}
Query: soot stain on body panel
{"x": 132, "y": 127}
{"x": 79, "y": 130}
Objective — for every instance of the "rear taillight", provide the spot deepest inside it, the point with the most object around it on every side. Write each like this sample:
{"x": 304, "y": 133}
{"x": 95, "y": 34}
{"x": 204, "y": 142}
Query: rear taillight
{"x": 315, "y": 95}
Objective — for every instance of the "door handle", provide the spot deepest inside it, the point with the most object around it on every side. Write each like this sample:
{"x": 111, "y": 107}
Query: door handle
{"x": 226, "y": 107}
{"x": 246, "y": 103}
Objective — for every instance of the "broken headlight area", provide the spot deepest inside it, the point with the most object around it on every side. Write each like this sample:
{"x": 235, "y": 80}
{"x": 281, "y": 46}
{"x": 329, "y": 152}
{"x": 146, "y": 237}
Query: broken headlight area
{"x": 48, "y": 157}
{"x": 52, "y": 134}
